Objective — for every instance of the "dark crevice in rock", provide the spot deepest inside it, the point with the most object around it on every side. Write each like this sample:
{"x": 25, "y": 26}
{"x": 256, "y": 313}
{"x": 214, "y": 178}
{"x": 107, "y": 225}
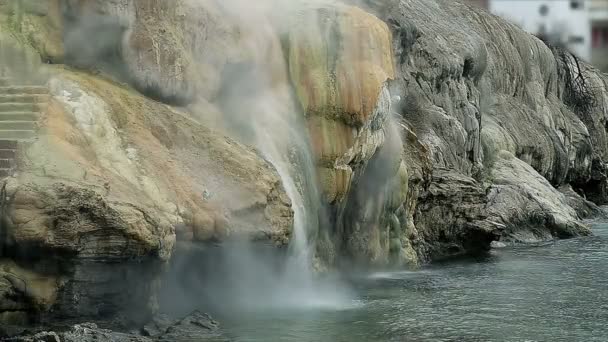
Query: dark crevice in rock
{"x": 451, "y": 215}
{"x": 578, "y": 93}
{"x": 405, "y": 36}
{"x": 467, "y": 68}
{"x": 595, "y": 188}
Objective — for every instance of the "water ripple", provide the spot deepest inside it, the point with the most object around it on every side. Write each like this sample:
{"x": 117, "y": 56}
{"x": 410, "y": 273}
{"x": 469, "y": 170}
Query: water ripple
{"x": 556, "y": 292}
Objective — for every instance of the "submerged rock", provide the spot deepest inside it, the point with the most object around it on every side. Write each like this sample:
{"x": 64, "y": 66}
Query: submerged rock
{"x": 196, "y": 326}
{"x": 498, "y": 244}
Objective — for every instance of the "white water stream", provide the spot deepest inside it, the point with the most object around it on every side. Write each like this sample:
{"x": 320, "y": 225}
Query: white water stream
{"x": 265, "y": 111}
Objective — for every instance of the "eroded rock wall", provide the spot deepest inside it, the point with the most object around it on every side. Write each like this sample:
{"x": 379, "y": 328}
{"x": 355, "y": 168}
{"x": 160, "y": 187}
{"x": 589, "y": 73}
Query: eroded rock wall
{"x": 106, "y": 188}
{"x": 493, "y": 104}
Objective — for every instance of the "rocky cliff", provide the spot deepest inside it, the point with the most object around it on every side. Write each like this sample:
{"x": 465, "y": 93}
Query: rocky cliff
{"x": 108, "y": 183}
{"x": 435, "y": 129}
{"x": 499, "y": 107}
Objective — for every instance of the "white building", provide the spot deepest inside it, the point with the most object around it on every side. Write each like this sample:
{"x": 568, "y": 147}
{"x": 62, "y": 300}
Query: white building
{"x": 580, "y": 25}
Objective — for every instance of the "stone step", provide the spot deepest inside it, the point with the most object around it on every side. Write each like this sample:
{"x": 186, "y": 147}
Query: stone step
{"x": 8, "y": 144}
{"x": 34, "y": 90}
{"x": 23, "y": 98}
{"x": 7, "y": 153}
{"x": 18, "y": 116}
{"x": 18, "y": 125}
{"x": 19, "y": 107}
{"x": 17, "y": 135}
{"x": 6, "y": 163}
{"x": 6, "y": 173}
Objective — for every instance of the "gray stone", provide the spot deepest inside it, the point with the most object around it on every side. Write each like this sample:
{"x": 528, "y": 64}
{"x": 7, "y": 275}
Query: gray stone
{"x": 452, "y": 212}
{"x": 194, "y": 327}
{"x": 528, "y": 205}
{"x": 477, "y": 89}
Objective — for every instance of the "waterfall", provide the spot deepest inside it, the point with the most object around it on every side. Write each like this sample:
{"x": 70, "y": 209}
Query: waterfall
{"x": 282, "y": 139}
{"x": 278, "y": 131}
{"x": 296, "y": 286}
{"x": 273, "y": 124}
{"x": 259, "y": 109}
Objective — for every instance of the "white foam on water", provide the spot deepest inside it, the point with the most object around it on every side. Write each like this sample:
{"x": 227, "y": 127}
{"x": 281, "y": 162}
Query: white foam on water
{"x": 397, "y": 274}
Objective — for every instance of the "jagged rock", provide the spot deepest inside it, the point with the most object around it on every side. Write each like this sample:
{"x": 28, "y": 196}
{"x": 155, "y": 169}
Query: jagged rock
{"x": 583, "y": 207}
{"x": 528, "y": 205}
{"x": 469, "y": 101}
{"x": 91, "y": 332}
{"x": 194, "y": 327}
{"x": 98, "y": 196}
{"x": 86, "y": 332}
{"x": 157, "y": 326}
{"x": 453, "y": 212}
{"x": 40, "y": 337}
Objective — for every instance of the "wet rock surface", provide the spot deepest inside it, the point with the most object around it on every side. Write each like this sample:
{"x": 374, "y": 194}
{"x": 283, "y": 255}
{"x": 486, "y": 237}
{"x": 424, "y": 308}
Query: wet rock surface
{"x": 454, "y": 210}
{"x": 583, "y": 207}
{"x": 194, "y": 327}
{"x": 497, "y": 92}
{"x": 528, "y": 205}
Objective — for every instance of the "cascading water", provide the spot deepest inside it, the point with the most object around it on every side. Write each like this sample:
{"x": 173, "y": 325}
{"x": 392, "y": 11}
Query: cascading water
{"x": 281, "y": 138}
{"x": 259, "y": 110}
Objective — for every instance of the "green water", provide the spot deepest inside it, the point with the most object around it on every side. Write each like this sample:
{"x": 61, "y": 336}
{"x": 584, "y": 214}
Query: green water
{"x": 555, "y": 292}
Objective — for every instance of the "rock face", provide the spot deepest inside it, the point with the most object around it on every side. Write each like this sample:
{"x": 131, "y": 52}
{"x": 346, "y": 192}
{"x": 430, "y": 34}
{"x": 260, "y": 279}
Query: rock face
{"x": 38, "y": 22}
{"x": 583, "y": 207}
{"x": 340, "y": 70}
{"x": 111, "y": 178}
{"x": 528, "y": 205}
{"x": 453, "y": 212}
{"x": 105, "y": 188}
{"x": 500, "y": 109}
{"x": 448, "y": 187}
{"x": 173, "y": 59}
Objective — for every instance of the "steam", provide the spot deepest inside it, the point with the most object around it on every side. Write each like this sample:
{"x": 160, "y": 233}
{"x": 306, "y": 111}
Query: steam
{"x": 260, "y": 110}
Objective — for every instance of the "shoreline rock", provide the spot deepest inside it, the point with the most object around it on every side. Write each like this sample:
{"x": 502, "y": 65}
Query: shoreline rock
{"x": 194, "y": 327}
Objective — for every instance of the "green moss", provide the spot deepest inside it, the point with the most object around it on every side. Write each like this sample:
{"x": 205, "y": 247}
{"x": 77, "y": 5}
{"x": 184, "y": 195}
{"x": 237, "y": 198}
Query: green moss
{"x": 27, "y": 22}
{"x": 23, "y": 59}
{"x": 15, "y": 16}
